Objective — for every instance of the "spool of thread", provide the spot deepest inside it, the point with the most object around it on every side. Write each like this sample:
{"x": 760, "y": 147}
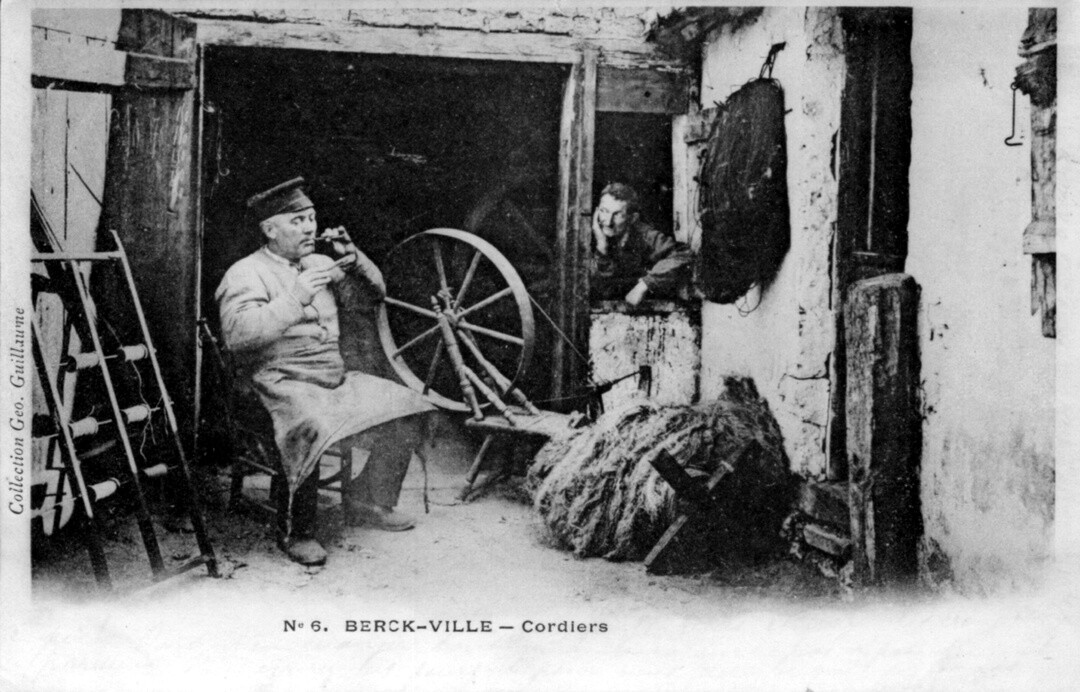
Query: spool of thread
{"x": 99, "y": 491}
{"x": 137, "y": 413}
{"x": 81, "y": 361}
{"x": 86, "y": 426}
{"x": 156, "y": 470}
{"x": 136, "y": 352}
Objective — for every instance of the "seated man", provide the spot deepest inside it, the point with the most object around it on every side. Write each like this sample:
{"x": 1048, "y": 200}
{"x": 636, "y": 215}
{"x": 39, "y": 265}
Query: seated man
{"x": 279, "y": 316}
{"x": 631, "y": 259}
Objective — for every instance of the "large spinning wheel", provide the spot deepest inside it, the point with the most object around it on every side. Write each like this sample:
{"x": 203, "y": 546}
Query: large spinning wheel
{"x": 457, "y": 323}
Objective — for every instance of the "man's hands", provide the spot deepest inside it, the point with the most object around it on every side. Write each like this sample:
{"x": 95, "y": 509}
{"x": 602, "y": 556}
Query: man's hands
{"x": 598, "y": 233}
{"x": 637, "y": 293}
{"x": 352, "y": 260}
{"x": 344, "y": 248}
{"x": 310, "y": 282}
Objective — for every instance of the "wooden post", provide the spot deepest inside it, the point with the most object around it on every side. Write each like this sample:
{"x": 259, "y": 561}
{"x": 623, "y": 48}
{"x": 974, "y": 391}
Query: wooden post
{"x": 148, "y": 195}
{"x": 574, "y": 224}
{"x": 883, "y": 427}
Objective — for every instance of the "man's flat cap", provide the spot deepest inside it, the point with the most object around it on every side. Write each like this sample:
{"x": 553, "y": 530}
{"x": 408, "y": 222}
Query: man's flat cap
{"x": 280, "y": 199}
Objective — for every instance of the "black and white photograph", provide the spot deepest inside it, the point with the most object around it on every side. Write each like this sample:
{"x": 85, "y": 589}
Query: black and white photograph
{"x": 615, "y": 346}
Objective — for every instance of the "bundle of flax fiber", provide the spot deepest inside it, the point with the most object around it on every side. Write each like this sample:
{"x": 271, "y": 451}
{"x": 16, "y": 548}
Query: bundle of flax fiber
{"x": 598, "y": 494}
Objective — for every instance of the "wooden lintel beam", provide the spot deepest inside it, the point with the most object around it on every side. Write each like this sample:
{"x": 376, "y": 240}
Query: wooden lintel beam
{"x": 429, "y": 42}
{"x": 109, "y": 68}
{"x": 635, "y": 90}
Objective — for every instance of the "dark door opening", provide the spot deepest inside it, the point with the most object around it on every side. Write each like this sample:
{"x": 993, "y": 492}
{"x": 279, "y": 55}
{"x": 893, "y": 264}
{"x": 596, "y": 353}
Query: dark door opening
{"x": 635, "y": 148}
{"x": 390, "y": 146}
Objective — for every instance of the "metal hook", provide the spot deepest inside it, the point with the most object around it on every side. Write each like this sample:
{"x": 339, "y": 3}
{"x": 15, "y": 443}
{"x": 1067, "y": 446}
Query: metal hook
{"x": 1008, "y": 140}
{"x": 770, "y": 60}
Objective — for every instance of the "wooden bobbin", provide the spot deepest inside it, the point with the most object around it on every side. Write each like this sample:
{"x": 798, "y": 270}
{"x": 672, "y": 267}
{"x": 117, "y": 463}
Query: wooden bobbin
{"x": 86, "y": 426}
{"x": 131, "y": 353}
{"x": 100, "y": 491}
{"x": 139, "y": 412}
{"x": 81, "y": 361}
{"x": 156, "y": 471}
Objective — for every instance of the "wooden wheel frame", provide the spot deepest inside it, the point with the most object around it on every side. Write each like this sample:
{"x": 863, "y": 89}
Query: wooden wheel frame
{"x": 431, "y": 276}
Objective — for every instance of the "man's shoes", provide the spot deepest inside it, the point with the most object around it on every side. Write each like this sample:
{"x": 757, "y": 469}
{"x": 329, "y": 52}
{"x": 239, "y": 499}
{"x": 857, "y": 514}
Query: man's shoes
{"x": 306, "y": 551}
{"x": 376, "y": 516}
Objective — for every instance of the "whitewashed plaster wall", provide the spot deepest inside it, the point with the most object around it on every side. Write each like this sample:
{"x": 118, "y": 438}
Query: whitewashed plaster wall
{"x": 988, "y": 373}
{"x": 785, "y": 343}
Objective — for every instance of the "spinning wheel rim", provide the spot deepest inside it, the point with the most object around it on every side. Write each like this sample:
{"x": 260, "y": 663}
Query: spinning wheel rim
{"x": 513, "y": 282}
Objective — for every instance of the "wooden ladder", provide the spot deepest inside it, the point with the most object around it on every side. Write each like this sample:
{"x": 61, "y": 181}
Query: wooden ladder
{"x": 66, "y": 279}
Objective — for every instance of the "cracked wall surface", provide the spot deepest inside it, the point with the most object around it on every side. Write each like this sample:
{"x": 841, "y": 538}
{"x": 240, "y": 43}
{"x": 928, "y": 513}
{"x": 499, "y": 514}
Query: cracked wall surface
{"x": 783, "y": 336}
{"x": 988, "y": 470}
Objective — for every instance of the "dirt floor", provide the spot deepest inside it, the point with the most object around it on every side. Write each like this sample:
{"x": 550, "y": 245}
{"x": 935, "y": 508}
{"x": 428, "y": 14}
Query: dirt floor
{"x": 777, "y": 625}
{"x": 453, "y": 542}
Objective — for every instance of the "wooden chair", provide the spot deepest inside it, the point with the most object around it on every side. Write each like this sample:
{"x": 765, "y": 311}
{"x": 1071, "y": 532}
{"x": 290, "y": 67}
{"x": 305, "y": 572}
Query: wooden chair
{"x": 251, "y": 438}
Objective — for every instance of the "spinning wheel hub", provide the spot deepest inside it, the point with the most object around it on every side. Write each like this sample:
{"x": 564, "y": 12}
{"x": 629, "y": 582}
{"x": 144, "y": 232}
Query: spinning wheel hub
{"x": 435, "y": 350}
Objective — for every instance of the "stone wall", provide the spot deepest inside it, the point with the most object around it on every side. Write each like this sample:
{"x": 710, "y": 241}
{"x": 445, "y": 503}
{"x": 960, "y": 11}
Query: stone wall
{"x": 988, "y": 372}
{"x": 782, "y": 337}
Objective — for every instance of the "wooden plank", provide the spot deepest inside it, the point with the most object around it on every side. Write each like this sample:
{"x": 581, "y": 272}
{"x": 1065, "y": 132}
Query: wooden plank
{"x": 621, "y": 90}
{"x": 883, "y": 427}
{"x": 48, "y": 181}
{"x": 566, "y": 219}
{"x": 153, "y": 72}
{"x": 154, "y": 32}
{"x": 435, "y": 43}
{"x": 87, "y": 149}
{"x": 106, "y": 67}
{"x": 826, "y": 540}
{"x": 430, "y": 42}
{"x": 75, "y": 63}
{"x": 578, "y": 321}
{"x": 826, "y": 502}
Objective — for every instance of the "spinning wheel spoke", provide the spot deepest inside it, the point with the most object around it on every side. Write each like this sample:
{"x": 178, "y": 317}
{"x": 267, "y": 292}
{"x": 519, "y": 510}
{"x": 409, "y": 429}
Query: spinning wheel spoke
{"x": 434, "y": 367}
{"x": 418, "y": 351}
{"x": 410, "y": 307}
{"x": 416, "y": 340}
{"x": 469, "y": 274}
{"x": 440, "y": 267}
{"x": 486, "y": 302}
{"x": 492, "y": 333}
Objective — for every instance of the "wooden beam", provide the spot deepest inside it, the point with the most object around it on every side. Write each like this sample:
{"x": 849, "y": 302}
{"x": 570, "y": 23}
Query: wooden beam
{"x": 621, "y": 90}
{"x": 565, "y": 225}
{"x": 429, "y": 42}
{"x": 582, "y": 231}
{"x": 75, "y": 63}
{"x": 883, "y": 427}
{"x": 825, "y": 501}
{"x": 153, "y": 72}
{"x": 109, "y": 68}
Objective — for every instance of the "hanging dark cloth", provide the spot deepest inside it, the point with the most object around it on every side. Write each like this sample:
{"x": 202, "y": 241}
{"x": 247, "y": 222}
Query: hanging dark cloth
{"x": 743, "y": 201}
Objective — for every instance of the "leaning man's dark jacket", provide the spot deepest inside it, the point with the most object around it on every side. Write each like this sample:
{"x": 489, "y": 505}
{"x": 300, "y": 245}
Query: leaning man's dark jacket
{"x": 643, "y": 254}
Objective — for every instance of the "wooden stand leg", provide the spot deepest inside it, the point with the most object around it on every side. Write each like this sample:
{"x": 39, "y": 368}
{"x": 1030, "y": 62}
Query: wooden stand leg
{"x": 92, "y": 536}
{"x": 474, "y": 470}
{"x": 704, "y": 516}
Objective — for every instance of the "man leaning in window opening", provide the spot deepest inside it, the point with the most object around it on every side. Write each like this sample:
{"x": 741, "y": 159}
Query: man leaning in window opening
{"x": 279, "y": 308}
{"x": 631, "y": 259}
